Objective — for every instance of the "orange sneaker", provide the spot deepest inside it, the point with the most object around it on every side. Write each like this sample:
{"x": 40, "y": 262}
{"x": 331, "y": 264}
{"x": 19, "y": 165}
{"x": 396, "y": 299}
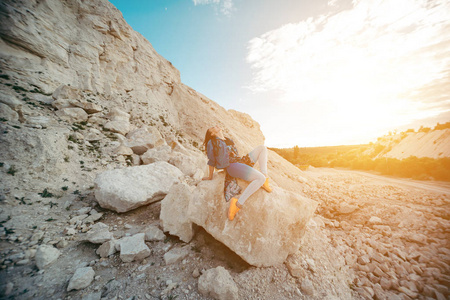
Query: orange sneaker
{"x": 232, "y": 211}
{"x": 266, "y": 186}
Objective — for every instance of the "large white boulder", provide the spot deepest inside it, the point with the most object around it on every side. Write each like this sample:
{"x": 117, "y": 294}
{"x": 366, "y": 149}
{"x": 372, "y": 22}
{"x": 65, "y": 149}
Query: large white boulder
{"x": 173, "y": 215}
{"x": 125, "y": 189}
{"x": 264, "y": 232}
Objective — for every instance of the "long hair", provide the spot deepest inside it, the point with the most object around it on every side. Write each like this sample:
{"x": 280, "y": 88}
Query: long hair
{"x": 208, "y": 137}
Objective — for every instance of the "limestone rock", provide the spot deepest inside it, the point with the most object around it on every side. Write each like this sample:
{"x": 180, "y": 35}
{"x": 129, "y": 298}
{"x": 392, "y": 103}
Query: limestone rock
{"x": 375, "y": 220}
{"x": 176, "y": 255}
{"x": 161, "y": 153}
{"x": 82, "y": 278}
{"x": 120, "y": 126}
{"x": 174, "y": 208}
{"x": 218, "y": 284}
{"x": 107, "y": 248}
{"x": 307, "y": 287}
{"x": 123, "y": 150}
{"x": 62, "y": 103}
{"x": 11, "y": 101}
{"x": 188, "y": 164}
{"x": 8, "y": 113}
{"x": 133, "y": 248}
{"x": 264, "y": 232}
{"x": 153, "y": 233}
{"x": 93, "y": 135}
{"x": 45, "y": 255}
{"x": 88, "y": 107}
{"x": 125, "y": 189}
{"x": 39, "y": 121}
{"x": 99, "y": 234}
{"x": 72, "y": 114}
{"x": 66, "y": 92}
{"x": 142, "y": 139}
{"x": 117, "y": 114}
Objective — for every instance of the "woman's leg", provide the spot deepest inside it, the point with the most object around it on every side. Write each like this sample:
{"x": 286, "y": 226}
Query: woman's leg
{"x": 259, "y": 155}
{"x": 246, "y": 173}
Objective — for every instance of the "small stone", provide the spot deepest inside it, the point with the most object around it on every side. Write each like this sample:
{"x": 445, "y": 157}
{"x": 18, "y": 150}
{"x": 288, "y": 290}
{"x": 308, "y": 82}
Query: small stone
{"x": 196, "y": 273}
{"x": 45, "y": 255}
{"x": 307, "y": 287}
{"x": 363, "y": 260}
{"x": 153, "y": 233}
{"x": 8, "y": 289}
{"x": 175, "y": 255}
{"x": 99, "y": 234}
{"x": 107, "y": 248}
{"x": 82, "y": 278}
{"x": 218, "y": 284}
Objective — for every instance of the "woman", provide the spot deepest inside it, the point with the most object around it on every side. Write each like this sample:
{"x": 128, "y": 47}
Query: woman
{"x": 223, "y": 155}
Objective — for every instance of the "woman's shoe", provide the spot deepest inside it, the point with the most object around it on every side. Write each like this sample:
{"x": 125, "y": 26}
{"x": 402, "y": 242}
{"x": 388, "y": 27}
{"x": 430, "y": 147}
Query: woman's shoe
{"x": 233, "y": 209}
{"x": 266, "y": 186}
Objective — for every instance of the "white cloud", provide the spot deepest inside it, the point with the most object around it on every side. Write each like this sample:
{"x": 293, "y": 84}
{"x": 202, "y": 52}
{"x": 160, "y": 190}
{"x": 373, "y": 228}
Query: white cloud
{"x": 224, "y": 6}
{"x": 364, "y": 64}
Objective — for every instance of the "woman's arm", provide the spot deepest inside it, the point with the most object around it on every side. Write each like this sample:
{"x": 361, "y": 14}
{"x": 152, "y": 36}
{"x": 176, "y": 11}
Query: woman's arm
{"x": 211, "y": 172}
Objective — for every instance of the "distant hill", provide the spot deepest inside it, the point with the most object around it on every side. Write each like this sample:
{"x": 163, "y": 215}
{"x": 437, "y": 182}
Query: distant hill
{"x": 421, "y": 155}
{"x": 425, "y": 143}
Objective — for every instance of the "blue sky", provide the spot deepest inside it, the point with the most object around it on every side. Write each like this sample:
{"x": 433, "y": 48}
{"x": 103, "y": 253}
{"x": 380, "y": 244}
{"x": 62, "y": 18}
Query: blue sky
{"x": 312, "y": 73}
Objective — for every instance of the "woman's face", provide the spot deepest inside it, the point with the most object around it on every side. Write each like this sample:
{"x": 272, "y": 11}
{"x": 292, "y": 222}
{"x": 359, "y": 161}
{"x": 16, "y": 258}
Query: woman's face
{"x": 215, "y": 131}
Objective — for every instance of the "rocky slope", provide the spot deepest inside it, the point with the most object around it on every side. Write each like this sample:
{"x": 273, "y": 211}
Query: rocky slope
{"x": 434, "y": 144}
{"x": 84, "y": 96}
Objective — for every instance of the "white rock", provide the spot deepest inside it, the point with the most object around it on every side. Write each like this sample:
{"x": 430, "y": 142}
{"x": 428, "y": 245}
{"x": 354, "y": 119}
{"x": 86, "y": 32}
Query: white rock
{"x": 375, "y": 220}
{"x": 46, "y": 255}
{"x": 72, "y": 114}
{"x": 82, "y": 278}
{"x": 188, "y": 164}
{"x": 62, "y": 103}
{"x": 161, "y": 153}
{"x": 94, "y": 135}
{"x": 107, "y": 248}
{"x": 153, "y": 233}
{"x": 11, "y": 101}
{"x": 8, "y": 113}
{"x": 99, "y": 234}
{"x": 133, "y": 248}
{"x": 307, "y": 287}
{"x": 121, "y": 126}
{"x": 123, "y": 150}
{"x": 125, "y": 189}
{"x": 117, "y": 114}
{"x": 88, "y": 107}
{"x": 93, "y": 217}
{"x": 66, "y": 92}
{"x": 173, "y": 215}
{"x": 38, "y": 120}
{"x": 142, "y": 139}
{"x": 176, "y": 255}
{"x": 264, "y": 232}
{"x": 218, "y": 284}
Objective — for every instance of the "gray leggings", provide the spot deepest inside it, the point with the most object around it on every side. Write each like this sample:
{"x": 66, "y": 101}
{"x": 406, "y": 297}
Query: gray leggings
{"x": 247, "y": 173}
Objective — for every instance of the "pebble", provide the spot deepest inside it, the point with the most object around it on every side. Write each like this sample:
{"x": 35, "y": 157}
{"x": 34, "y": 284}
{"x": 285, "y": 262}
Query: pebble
{"x": 196, "y": 273}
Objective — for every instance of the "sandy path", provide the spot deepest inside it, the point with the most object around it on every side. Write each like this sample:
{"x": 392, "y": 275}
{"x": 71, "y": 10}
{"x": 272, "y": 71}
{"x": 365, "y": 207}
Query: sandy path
{"x": 432, "y": 186}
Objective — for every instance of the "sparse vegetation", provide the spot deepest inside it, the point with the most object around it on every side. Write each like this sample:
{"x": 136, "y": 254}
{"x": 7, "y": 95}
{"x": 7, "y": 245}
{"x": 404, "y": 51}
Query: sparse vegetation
{"x": 46, "y": 194}
{"x": 12, "y": 170}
